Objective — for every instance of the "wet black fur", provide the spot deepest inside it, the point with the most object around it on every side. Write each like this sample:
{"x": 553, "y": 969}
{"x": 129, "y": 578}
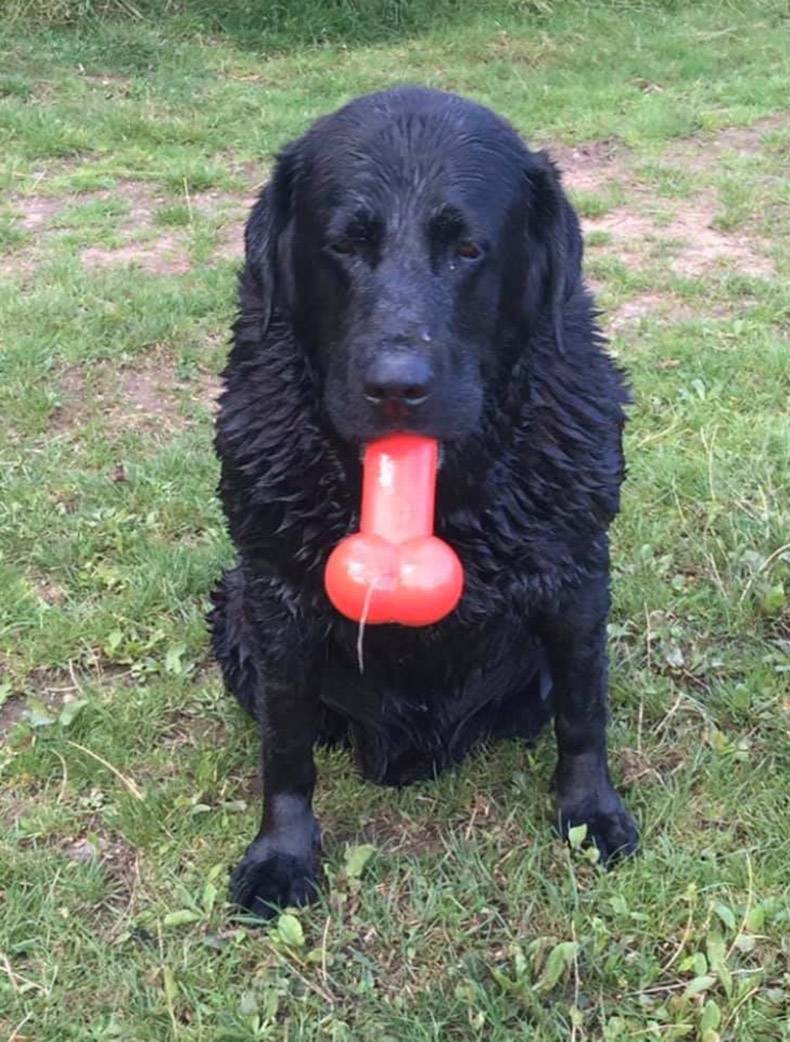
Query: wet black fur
{"x": 525, "y": 496}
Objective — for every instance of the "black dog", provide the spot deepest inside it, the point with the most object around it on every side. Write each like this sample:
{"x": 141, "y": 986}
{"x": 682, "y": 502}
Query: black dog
{"x": 413, "y": 266}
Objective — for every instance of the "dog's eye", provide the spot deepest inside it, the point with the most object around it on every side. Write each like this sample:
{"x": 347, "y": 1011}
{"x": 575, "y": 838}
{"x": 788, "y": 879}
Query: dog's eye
{"x": 468, "y": 250}
{"x": 344, "y": 247}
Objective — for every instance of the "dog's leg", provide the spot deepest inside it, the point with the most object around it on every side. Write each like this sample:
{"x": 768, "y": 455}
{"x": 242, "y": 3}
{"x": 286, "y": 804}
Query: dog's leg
{"x": 575, "y": 641}
{"x": 279, "y": 867}
{"x": 230, "y": 640}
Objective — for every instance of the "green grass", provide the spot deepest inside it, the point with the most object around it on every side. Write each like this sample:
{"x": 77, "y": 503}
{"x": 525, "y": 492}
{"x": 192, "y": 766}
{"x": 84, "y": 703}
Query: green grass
{"x": 128, "y": 779}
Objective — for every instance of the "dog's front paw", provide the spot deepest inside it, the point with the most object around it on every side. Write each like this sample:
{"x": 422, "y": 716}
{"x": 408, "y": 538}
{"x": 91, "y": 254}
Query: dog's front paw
{"x": 609, "y": 825}
{"x": 268, "y": 879}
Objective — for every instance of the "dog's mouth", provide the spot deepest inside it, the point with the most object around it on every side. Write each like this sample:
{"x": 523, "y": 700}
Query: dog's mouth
{"x": 441, "y": 454}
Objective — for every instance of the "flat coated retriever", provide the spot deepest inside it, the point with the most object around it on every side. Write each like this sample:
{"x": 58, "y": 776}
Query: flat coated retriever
{"x": 412, "y": 265}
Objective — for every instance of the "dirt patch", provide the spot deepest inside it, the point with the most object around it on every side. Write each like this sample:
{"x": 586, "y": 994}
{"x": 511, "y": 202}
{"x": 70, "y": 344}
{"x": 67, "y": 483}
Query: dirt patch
{"x": 109, "y": 85}
{"x": 45, "y": 699}
{"x": 154, "y": 392}
{"x": 71, "y": 400}
{"x": 147, "y": 395}
{"x": 186, "y": 729}
{"x": 701, "y": 153}
{"x": 213, "y": 201}
{"x": 707, "y": 247}
{"x": 749, "y": 139}
{"x": 117, "y": 859}
{"x": 210, "y": 387}
{"x": 13, "y": 709}
{"x": 519, "y": 50}
{"x": 115, "y": 854}
{"x": 589, "y": 167}
{"x": 147, "y": 391}
{"x": 700, "y": 246}
{"x": 592, "y": 166}
{"x": 232, "y": 212}
{"x": 43, "y": 217}
{"x": 166, "y": 255}
{"x": 18, "y": 265}
{"x": 623, "y": 224}
{"x": 15, "y": 806}
{"x": 50, "y": 592}
{"x": 647, "y": 305}
{"x": 230, "y": 245}
{"x": 11, "y": 712}
{"x": 51, "y": 689}
{"x": 629, "y": 231}
{"x": 38, "y": 210}
{"x": 397, "y": 834}
{"x": 634, "y": 310}
{"x": 143, "y": 200}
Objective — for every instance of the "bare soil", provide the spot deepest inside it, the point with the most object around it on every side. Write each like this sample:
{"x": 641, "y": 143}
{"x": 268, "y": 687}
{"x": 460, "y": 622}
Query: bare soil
{"x": 145, "y": 396}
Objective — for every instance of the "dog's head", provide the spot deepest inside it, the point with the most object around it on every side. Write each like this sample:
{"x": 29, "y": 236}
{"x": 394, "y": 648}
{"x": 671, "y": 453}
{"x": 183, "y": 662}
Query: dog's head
{"x": 414, "y": 243}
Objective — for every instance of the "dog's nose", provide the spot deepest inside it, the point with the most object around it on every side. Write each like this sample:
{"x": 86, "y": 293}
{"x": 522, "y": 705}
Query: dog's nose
{"x": 399, "y": 379}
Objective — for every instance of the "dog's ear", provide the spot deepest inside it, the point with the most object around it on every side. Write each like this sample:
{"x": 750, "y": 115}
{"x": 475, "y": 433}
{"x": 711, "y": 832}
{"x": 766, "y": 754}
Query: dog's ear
{"x": 553, "y": 245}
{"x": 265, "y": 226}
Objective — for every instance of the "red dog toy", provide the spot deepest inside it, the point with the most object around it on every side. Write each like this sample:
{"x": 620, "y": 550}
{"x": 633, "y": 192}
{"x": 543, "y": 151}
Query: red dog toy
{"x": 394, "y": 569}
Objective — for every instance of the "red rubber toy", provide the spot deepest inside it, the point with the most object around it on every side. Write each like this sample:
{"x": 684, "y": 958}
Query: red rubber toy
{"x": 395, "y": 569}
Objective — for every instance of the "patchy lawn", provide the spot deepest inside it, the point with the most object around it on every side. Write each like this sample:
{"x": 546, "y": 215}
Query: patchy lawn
{"x": 131, "y": 153}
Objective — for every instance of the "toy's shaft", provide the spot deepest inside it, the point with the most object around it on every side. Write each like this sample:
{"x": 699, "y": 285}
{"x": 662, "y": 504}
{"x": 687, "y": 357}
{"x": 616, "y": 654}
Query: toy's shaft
{"x": 398, "y": 492}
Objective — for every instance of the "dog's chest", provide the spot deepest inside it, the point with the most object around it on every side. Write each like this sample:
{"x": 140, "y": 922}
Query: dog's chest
{"x": 423, "y": 667}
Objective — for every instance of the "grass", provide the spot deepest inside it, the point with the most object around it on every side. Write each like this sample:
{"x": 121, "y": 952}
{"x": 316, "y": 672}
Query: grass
{"x": 131, "y": 149}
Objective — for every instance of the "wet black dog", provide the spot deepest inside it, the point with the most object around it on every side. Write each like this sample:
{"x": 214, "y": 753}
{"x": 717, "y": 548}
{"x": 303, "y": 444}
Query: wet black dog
{"x": 413, "y": 266}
